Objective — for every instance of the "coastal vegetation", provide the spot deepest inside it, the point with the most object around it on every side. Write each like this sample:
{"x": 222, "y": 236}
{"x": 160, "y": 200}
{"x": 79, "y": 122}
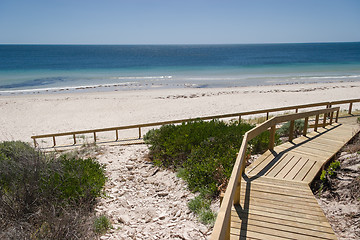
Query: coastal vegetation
{"x": 203, "y": 153}
{"x": 298, "y": 128}
{"x": 47, "y": 196}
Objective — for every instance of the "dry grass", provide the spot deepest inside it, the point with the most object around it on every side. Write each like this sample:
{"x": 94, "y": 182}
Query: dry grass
{"x": 28, "y": 210}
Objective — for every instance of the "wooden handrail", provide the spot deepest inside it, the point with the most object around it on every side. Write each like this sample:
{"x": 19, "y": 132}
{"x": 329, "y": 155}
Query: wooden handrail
{"x": 221, "y": 230}
{"x": 139, "y": 126}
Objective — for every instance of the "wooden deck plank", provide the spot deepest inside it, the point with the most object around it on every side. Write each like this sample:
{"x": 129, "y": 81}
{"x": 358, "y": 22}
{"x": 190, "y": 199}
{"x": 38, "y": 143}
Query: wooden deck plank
{"x": 300, "y": 226}
{"x": 260, "y": 163}
{"x": 279, "y": 182}
{"x": 282, "y": 149}
{"x": 324, "y": 147}
{"x": 292, "y": 207}
{"x": 286, "y": 212}
{"x": 282, "y": 197}
{"x": 247, "y": 215}
{"x": 322, "y": 142}
{"x": 287, "y": 169}
{"x": 279, "y": 165}
{"x": 313, "y": 173}
{"x": 280, "y": 230}
{"x": 271, "y": 185}
{"x": 277, "y": 191}
{"x": 277, "y": 188}
{"x": 276, "y": 201}
{"x": 297, "y": 168}
{"x": 305, "y": 170}
{"x": 254, "y": 235}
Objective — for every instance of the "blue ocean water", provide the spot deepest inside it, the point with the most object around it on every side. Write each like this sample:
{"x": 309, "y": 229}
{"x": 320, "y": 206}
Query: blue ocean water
{"x": 26, "y": 68}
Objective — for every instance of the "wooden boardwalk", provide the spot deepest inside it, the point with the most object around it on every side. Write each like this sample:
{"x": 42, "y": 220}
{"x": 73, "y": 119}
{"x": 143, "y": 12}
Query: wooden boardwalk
{"x": 276, "y": 201}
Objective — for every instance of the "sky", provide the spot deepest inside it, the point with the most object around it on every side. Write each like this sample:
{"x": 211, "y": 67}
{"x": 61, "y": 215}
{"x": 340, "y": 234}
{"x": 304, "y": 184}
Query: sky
{"x": 178, "y": 21}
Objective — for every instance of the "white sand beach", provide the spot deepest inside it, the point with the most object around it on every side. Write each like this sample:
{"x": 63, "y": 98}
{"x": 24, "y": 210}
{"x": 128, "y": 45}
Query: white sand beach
{"x": 25, "y": 115}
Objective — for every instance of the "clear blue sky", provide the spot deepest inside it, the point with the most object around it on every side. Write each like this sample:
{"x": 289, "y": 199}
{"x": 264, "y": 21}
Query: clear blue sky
{"x": 178, "y": 22}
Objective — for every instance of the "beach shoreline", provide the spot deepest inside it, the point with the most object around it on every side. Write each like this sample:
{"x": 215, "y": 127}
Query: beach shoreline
{"x": 25, "y": 115}
{"x": 138, "y": 86}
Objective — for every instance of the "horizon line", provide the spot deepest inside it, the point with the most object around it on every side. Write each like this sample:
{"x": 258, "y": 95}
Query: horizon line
{"x": 140, "y": 44}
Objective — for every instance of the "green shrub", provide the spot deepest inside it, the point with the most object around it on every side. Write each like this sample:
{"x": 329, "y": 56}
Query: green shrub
{"x": 323, "y": 176}
{"x": 204, "y": 151}
{"x": 72, "y": 179}
{"x": 261, "y": 143}
{"x": 102, "y": 224}
{"x": 204, "y": 154}
{"x": 333, "y": 167}
{"x": 201, "y": 206}
{"x": 172, "y": 144}
{"x": 198, "y": 203}
{"x": 358, "y": 120}
{"x": 207, "y": 216}
{"x": 328, "y": 174}
{"x": 44, "y": 197}
{"x": 20, "y": 171}
{"x": 298, "y": 128}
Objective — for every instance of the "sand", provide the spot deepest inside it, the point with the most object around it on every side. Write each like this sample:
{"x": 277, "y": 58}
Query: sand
{"x": 144, "y": 201}
{"x": 22, "y": 116}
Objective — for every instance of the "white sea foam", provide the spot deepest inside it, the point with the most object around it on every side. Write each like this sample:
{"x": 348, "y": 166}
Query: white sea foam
{"x": 147, "y": 77}
{"x": 326, "y": 77}
{"x": 67, "y": 88}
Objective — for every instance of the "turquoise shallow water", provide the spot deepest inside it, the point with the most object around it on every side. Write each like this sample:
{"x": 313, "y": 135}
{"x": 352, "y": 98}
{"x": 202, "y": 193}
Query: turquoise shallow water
{"x": 24, "y": 68}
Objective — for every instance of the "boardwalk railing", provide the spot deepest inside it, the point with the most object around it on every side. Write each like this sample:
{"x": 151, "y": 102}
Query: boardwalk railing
{"x": 239, "y": 115}
{"x": 232, "y": 194}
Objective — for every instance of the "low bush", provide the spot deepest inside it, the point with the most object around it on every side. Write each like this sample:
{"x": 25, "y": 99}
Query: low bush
{"x": 102, "y": 224}
{"x": 298, "y": 128}
{"x": 328, "y": 174}
{"x": 204, "y": 151}
{"x": 44, "y": 197}
{"x": 201, "y": 206}
{"x": 74, "y": 180}
{"x": 171, "y": 145}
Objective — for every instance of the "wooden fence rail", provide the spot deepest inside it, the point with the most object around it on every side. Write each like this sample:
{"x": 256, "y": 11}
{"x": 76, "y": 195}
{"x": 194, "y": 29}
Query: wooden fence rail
{"x": 239, "y": 115}
{"x": 232, "y": 194}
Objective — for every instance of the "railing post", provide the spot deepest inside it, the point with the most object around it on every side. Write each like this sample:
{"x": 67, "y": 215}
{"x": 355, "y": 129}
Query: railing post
{"x": 267, "y": 115}
{"x": 324, "y": 121}
{"x": 291, "y": 130}
{"x": 337, "y": 116}
{"x": 94, "y": 136}
{"x": 316, "y": 122}
{"x": 74, "y": 138}
{"x": 239, "y": 118}
{"x": 242, "y": 167}
{"x": 35, "y": 144}
{"x": 306, "y": 124}
{"x": 54, "y": 141}
{"x": 296, "y": 110}
{"x": 331, "y": 117}
{"x": 329, "y": 106}
{"x": 139, "y": 132}
{"x": 227, "y": 235}
{"x": 272, "y": 137}
{"x": 237, "y": 192}
{"x": 117, "y": 134}
{"x": 350, "y": 107}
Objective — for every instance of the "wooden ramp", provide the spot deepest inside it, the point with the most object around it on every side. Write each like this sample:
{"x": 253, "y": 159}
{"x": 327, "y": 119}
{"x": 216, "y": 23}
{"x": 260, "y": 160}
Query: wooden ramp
{"x": 276, "y": 201}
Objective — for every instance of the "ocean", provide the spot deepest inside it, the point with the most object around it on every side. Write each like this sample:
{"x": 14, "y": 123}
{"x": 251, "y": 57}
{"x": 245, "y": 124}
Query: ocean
{"x": 57, "y": 68}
